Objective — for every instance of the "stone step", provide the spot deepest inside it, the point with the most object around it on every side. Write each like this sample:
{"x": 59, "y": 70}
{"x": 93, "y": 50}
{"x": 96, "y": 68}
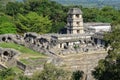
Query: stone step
{"x": 80, "y": 67}
{"x": 82, "y": 62}
{"x": 83, "y": 55}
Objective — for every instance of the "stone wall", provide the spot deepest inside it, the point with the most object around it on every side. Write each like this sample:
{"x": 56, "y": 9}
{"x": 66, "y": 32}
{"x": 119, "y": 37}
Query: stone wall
{"x": 85, "y": 62}
{"x": 12, "y": 38}
{"x": 8, "y": 58}
{"x": 21, "y": 65}
{"x": 44, "y": 44}
{"x": 8, "y": 55}
{"x": 30, "y": 40}
{"x": 50, "y": 43}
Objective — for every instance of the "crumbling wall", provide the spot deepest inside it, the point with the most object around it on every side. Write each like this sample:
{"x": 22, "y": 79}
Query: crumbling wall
{"x": 85, "y": 62}
{"x": 37, "y": 42}
{"x": 21, "y": 65}
{"x": 31, "y": 40}
{"x": 12, "y": 38}
{"x": 7, "y": 55}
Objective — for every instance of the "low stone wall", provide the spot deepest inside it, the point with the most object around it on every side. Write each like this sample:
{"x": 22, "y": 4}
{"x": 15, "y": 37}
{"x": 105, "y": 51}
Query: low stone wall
{"x": 21, "y": 65}
{"x": 12, "y": 38}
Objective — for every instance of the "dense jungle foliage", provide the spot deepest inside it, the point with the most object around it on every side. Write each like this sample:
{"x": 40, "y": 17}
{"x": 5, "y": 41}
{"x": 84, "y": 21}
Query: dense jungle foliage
{"x": 44, "y": 16}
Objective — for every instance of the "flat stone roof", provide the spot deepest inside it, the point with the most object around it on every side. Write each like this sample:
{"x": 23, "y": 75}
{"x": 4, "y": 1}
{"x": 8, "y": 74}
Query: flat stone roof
{"x": 96, "y": 24}
{"x": 74, "y": 11}
{"x": 70, "y": 35}
{"x": 72, "y": 40}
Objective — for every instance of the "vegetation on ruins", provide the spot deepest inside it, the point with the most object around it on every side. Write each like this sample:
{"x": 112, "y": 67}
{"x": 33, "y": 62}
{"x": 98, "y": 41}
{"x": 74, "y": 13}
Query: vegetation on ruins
{"x": 10, "y": 74}
{"x": 26, "y": 53}
{"x": 77, "y": 75}
{"x": 109, "y": 68}
{"x": 22, "y": 49}
{"x": 50, "y": 72}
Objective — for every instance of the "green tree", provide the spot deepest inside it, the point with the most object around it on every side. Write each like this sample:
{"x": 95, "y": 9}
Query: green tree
{"x": 55, "y": 12}
{"x": 6, "y": 25}
{"x": 12, "y": 8}
{"x": 77, "y": 75}
{"x": 32, "y": 22}
{"x": 109, "y": 68}
{"x": 50, "y": 72}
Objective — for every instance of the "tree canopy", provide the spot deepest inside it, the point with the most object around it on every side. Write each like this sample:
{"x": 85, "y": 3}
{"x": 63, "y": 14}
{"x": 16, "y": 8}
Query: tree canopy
{"x": 109, "y": 68}
{"x": 41, "y": 14}
{"x": 6, "y": 24}
{"x": 32, "y": 22}
{"x": 50, "y": 72}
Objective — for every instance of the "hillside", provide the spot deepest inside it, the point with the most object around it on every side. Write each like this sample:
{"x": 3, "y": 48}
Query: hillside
{"x": 91, "y": 3}
{"x": 25, "y": 52}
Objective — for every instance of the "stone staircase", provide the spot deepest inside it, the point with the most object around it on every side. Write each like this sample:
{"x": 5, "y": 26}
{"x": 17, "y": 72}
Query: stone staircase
{"x": 83, "y": 61}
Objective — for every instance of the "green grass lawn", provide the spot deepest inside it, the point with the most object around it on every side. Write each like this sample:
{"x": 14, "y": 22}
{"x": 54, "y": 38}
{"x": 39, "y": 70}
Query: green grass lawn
{"x": 27, "y": 61}
{"x": 23, "y": 50}
{"x": 17, "y": 70}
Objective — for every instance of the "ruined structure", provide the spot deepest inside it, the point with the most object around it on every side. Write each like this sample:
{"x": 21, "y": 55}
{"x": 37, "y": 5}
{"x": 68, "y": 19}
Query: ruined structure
{"x": 8, "y": 57}
{"x": 81, "y": 38}
{"x": 75, "y": 21}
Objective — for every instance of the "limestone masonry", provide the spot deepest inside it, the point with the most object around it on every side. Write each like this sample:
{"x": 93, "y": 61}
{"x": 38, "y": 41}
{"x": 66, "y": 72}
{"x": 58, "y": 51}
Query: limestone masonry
{"x": 79, "y": 38}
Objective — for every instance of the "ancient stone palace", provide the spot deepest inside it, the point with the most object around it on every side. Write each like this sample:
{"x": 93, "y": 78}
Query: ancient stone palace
{"x": 78, "y": 37}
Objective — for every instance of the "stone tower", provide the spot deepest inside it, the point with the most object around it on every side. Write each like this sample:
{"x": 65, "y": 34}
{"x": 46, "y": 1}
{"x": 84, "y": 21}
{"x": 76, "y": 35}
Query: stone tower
{"x": 75, "y": 21}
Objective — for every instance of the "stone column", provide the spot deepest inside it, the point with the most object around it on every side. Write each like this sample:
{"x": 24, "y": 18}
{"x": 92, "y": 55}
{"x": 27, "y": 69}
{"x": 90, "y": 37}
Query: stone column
{"x": 32, "y": 41}
{"x": 58, "y": 46}
{"x": 63, "y": 45}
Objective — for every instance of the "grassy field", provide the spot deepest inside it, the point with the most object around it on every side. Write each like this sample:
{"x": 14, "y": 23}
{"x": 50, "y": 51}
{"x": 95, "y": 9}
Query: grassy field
{"x": 35, "y": 61}
{"x": 25, "y": 52}
{"x": 17, "y": 70}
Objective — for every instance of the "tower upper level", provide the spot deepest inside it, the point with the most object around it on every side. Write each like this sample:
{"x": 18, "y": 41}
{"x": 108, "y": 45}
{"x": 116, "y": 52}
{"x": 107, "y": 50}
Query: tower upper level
{"x": 74, "y": 11}
{"x": 74, "y": 21}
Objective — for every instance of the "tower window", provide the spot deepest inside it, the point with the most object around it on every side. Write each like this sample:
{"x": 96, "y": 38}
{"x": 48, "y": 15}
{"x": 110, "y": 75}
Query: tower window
{"x": 70, "y": 31}
{"x": 77, "y": 15}
{"x": 70, "y": 23}
{"x": 78, "y": 31}
{"x": 78, "y": 23}
{"x": 70, "y": 16}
